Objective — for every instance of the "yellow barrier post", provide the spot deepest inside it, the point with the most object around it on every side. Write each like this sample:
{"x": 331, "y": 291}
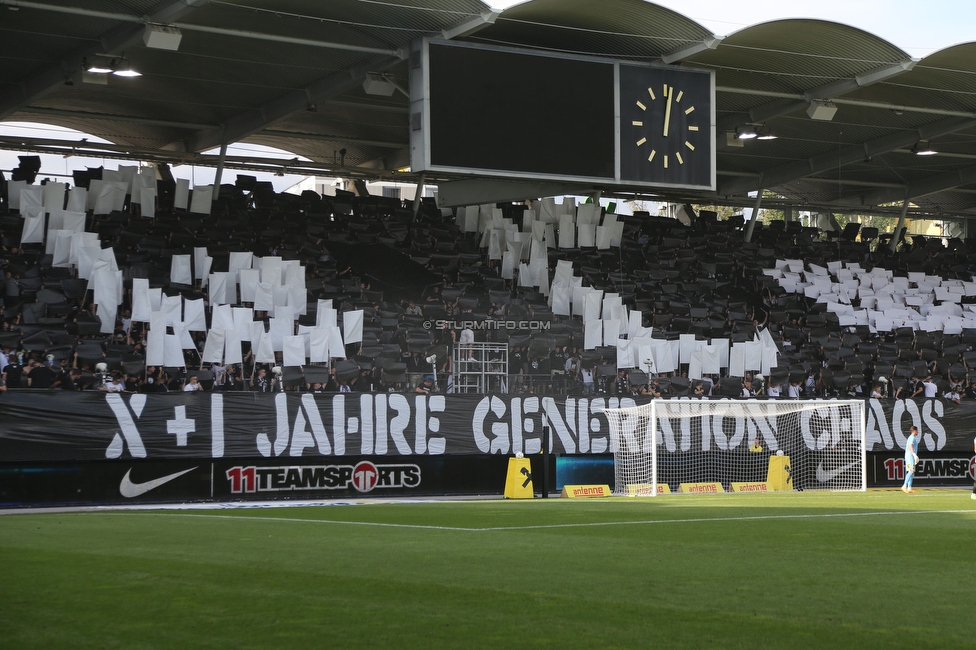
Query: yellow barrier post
{"x": 518, "y": 482}
{"x": 780, "y": 476}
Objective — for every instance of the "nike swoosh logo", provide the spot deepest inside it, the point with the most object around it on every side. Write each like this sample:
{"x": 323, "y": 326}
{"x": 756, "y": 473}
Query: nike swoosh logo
{"x": 129, "y": 490}
{"x": 824, "y": 475}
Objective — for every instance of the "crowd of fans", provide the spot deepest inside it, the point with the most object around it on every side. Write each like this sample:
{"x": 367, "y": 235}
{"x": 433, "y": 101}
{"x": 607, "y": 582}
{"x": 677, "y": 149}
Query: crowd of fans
{"x": 663, "y": 268}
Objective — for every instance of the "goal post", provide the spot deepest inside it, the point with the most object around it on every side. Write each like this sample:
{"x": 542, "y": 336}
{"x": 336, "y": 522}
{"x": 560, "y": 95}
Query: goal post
{"x": 701, "y": 446}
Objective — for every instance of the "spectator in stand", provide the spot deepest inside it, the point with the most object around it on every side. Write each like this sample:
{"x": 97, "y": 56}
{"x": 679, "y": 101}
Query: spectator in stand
{"x": 262, "y": 383}
{"x": 929, "y": 388}
{"x": 70, "y": 380}
{"x": 953, "y": 396}
{"x": 654, "y": 389}
{"x": 232, "y": 379}
{"x": 810, "y": 385}
{"x": 910, "y": 389}
{"x": 41, "y": 375}
{"x": 15, "y": 373}
{"x": 433, "y": 294}
{"x": 586, "y": 375}
{"x": 876, "y": 392}
{"x": 193, "y": 385}
{"x": 793, "y": 390}
{"x": 572, "y": 368}
{"x": 426, "y": 387}
{"x": 114, "y": 385}
{"x": 623, "y": 384}
{"x": 747, "y": 389}
{"x": 413, "y": 309}
{"x": 132, "y": 384}
{"x": 154, "y": 382}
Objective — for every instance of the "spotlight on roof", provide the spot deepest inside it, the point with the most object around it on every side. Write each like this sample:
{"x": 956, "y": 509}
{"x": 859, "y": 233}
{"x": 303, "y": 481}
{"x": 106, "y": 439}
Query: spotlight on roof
{"x": 162, "y": 37}
{"x": 822, "y": 109}
{"x": 378, "y": 84}
{"x": 107, "y": 64}
{"x": 763, "y": 133}
{"x": 98, "y": 66}
{"x": 922, "y": 148}
{"x": 123, "y": 69}
{"x": 746, "y": 132}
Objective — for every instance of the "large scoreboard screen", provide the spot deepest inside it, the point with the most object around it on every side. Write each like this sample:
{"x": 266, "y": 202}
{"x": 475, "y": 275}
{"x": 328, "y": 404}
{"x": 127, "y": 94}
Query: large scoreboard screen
{"x": 487, "y": 111}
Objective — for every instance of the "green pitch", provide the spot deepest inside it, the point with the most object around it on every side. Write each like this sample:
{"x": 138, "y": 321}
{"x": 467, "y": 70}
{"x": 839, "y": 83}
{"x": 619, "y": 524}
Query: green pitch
{"x": 881, "y": 569}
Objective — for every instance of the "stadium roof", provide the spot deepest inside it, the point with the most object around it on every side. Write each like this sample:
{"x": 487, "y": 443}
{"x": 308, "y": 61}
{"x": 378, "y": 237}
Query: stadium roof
{"x": 289, "y": 74}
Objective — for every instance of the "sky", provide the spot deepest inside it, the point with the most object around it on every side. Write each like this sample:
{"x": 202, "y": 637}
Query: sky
{"x": 919, "y": 28}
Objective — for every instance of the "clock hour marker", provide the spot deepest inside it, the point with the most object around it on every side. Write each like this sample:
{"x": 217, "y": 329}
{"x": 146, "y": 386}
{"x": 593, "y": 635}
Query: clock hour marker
{"x": 692, "y": 128}
{"x": 690, "y": 109}
{"x": 665, "y": 162}
{"x": 637, "y": 123}
{"x": 651, "y": 92}
{"x": 642, "y": 107}
{"x": 641, "y": 141}
{"x": 680, "y": 159}
{"x": 680, "y": 93}
{"x": 689, "y": 145}
{"x": 651, "y": 157}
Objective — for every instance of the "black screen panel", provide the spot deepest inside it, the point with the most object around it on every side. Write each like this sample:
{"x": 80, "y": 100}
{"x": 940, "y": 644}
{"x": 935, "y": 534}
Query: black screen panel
{"x": 495, "y": 110}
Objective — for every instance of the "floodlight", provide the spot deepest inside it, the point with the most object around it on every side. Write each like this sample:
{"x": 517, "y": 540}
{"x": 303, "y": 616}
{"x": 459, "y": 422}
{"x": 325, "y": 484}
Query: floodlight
{"x": 377, "y": 84}
{"x": 98, "y": 67}
{"x": 922, "y": 148}
{"x": 162, "y": 37}
{"x": 123, "y": 69}
{"x": 763, "y": 133}
{"x": 822, "y": 109}
{"x": 745, "y": 132}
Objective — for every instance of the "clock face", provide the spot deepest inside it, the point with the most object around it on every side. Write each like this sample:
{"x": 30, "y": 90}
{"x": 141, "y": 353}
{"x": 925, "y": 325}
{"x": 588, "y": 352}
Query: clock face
{"x": 666, "y": 126}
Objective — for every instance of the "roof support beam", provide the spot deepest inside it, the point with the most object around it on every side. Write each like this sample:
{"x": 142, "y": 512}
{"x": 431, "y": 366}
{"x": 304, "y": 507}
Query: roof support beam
{"x": 333, "y": 138}
{"x": 845, "y": 156}
{"x": 110, "y": 117}
{"x": 117, "y": 38}
{"x": 244, "y": 124}
{"x": 899, "y": 227}
{"x": 687, "y": 51}
{"x": 785, "y": 106}
{"x": 470, "y": 25}
{"x": 916, "y": 189}
{"x": 755, "y": 214}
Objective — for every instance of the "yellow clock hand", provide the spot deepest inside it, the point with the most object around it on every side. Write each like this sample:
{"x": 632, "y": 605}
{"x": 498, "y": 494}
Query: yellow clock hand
{"x": 667, "y": 113}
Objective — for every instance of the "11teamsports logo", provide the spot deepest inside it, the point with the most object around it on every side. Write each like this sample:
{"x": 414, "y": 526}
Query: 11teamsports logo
{"x": 363, "y": 477}
{"x": 932, "y": 468}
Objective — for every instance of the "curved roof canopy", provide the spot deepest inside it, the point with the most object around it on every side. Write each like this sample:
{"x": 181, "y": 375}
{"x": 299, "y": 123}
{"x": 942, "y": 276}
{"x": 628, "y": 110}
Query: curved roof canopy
{"x": 290, "y": 73}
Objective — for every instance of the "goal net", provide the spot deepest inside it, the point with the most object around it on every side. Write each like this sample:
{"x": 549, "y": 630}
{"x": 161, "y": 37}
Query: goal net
{"x": 702, "y": 446}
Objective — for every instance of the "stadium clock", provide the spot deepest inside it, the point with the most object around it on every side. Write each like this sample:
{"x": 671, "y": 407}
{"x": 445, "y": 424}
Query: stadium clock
{"x": 666, "y": 126}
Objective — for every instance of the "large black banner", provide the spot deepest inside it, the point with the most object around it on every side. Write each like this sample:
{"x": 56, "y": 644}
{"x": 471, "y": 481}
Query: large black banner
{"x": 43, "y": 426}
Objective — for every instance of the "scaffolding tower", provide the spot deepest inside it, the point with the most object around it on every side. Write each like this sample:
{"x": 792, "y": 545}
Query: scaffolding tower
{"x": 480, "y": 368}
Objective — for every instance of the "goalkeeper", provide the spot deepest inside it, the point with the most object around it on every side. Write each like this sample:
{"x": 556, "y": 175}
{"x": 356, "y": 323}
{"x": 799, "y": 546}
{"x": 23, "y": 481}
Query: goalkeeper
{"x": 911, "y": 459}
